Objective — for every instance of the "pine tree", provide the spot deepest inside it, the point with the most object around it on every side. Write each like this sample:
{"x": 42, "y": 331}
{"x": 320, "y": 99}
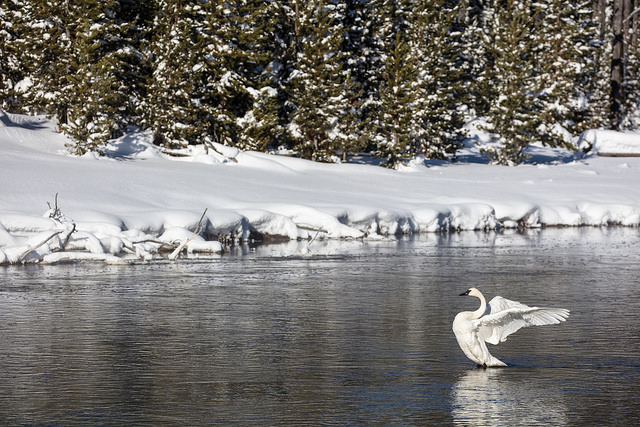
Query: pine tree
{"x": 230, "y": 66}
{"x": 617, "y": 97}
{"x": 326, "y": 77}
{"x": 397, "y": 102}
{"x": 552, "y": 44}
{"x": 395, "y": 125}
{"x": 256, "y": 29}
{"x": 79, "y": 62}
{"x": 631, "y": 83}
{"x": 585, "y": 56}
{"x": 436, "y": 46}
{"x": 316, "y": 86}
{"x": 350, "y": 130}
{"x": 364, "y": 44}
{"x": 563, "y": 50}
{"x": 418, "y": 99}
{"x": 172, "y": 107}
{"x": 272, "y": 113}
{"x": 516, "y": 84}
{"x": 104, "y": 84}
{"x": 364, "y": 47}
{"x": 514, "y": 111}
{"x": 134, "y": 18}
{"x": 12, "y": 70}
{"x": 198, "y": 91}
{"x": 261, "y": 126}
{"x": 43, "y": 47}
{"x": 471, "y": 22}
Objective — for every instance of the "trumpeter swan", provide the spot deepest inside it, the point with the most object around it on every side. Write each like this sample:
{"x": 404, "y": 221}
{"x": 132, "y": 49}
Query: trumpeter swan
{"x": 494, "y": 322}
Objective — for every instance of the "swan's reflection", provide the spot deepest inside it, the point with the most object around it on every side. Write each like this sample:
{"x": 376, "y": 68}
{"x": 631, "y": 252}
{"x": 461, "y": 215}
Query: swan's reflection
{"x": 493, "y": 396}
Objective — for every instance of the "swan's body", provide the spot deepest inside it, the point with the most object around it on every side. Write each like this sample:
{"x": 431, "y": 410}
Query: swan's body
{"x": 494, "y": 322}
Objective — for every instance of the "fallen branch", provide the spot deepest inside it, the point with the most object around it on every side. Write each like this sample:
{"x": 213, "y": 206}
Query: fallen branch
{"x": 179, "y": 249}
{"x": 209, "y": 145}
{"x": 66, "y": 240}
{"x": 311, "y": 228}
{"x": 33, "y": 248}
{"x": 314, "y": 237}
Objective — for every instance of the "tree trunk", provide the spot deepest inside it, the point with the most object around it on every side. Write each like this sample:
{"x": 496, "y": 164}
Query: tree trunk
{"x": 602, "y": 17}
{"x": 634, "y": 26}
{"x": 617, "y": 65}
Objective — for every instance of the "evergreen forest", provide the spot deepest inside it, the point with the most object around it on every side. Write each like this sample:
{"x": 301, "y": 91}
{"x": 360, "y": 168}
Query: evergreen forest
{"x": 324, "y": 79}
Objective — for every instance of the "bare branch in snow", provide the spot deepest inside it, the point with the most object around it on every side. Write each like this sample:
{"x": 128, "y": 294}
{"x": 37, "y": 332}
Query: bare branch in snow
{"x": 174, "y": 255}
{"x": 36, "y": 246}
{"x": 55, "y": 211}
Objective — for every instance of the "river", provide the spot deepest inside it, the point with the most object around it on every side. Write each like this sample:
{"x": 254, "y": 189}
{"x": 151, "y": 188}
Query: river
{"x": 346, "y": 333}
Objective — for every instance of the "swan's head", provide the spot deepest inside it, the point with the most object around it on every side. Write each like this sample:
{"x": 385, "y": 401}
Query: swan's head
{"x": 471, "y": 292}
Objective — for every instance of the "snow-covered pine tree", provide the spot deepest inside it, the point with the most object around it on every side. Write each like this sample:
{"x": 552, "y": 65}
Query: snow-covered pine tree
{"x": 510, "y": 71}
{"x": 436, "y": 45}
{"x": 514, "y": 84}
{"x": 43, "y": 42}
{"x": 198, "y": 90}
{"x": 258, "y": 28}
{"x": 364, "y": 58}
{"x": 229, "y": 67}
{"x": 12, "y": 70}
{"x": 560, "y": 37}
{"x": 395, "y": 124}
{"x": 92, "y": 107}
{"x": 261, "y": 127}
{"x": 631, "y": 83}
{"x": 575, "y": 54}
{"x": 173, "y": 106}
{"x": 134, "y": 20}
{"x": 351, "y": 134}
{"x": 353, "y": 131}
{"x": 244, "y": 30}
{"x": 79, "y": 61}
{"x": 317, "y": 82}
{"x": 364, "y": 45}
{"x": 617, "y": 98}
{"x": 105, "y": 83}
{"x": 473, "y": 57}
{"x": 614, "y": 70}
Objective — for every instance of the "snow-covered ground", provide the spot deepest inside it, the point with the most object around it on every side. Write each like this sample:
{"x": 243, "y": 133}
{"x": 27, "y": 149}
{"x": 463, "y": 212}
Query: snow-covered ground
{"x": 138, "y": 203}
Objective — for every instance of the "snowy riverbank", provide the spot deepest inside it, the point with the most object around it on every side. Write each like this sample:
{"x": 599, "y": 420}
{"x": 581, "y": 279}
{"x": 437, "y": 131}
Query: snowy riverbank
{"x": 138, "y": 202}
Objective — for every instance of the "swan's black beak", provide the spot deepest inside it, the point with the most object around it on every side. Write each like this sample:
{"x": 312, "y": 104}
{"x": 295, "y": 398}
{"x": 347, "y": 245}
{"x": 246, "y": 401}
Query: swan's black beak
{"x": 465, "y": 294}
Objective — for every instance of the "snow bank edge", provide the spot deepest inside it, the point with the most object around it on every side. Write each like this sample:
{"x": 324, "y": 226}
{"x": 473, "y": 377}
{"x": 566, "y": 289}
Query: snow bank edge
{"x": 151, "y": 236}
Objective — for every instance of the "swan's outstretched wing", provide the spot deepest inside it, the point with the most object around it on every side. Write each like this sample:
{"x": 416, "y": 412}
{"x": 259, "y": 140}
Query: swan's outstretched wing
{"x": 498, "y": 304}
{"x": 505, "y": 317}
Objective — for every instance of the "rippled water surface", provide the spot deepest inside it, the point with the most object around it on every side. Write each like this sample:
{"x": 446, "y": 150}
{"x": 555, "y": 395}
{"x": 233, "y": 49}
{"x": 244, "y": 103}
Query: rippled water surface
{"x": 352, "y": 333}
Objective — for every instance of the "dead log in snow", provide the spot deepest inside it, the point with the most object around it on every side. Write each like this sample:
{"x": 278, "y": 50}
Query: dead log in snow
{"x": 44, "y": 241}
{"x": 209, "y": 146}
{"x": 174, "y": 255}
{"x": 36, "y": 246}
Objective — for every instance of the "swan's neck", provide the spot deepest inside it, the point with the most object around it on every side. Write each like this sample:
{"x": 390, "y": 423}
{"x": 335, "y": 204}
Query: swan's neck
{"x": 483, "y": 307}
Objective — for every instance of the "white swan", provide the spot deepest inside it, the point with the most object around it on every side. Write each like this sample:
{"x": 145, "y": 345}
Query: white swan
{"x": 494, "y": 322}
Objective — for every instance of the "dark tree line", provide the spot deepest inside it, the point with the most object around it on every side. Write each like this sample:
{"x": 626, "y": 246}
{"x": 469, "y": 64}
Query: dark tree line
{"x": 395, "y": 78}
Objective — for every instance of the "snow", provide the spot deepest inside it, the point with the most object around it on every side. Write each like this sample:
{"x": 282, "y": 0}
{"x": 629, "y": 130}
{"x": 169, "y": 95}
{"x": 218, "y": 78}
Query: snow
{"x": 138, "y": 203}
{"x": 611, "y": 143}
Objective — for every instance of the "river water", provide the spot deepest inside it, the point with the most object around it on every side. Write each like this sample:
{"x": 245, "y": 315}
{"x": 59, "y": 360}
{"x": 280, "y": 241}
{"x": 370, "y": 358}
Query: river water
{"x": 350, "y": 333}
